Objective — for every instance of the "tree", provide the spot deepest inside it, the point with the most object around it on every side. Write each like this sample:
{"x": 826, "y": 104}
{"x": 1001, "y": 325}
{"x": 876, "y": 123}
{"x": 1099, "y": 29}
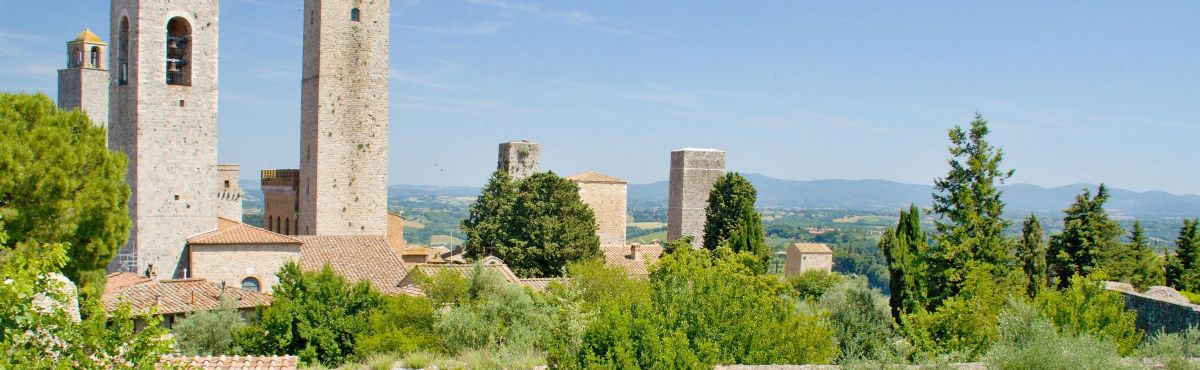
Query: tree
{"x": 731, "y": 219}
{"x": 970, "y": 227}
{"x": 1031, "y": 250}
{"x": 1140, "y": 266}
{"x": 907, "y": 252}
{"x": 403, "y": 324}
{"x": 1089, "y": 240}
{"x": 1182, "y": 271}
{"x": 496, "y": 316}
{"x": 61, "y": 184}
{"x": 537, "y": 225}
{"x": 209, "y": 333}
{"x": 1084, "y": 306}
{"x": 316, "y": 315}
{"x": 860, "y": 318}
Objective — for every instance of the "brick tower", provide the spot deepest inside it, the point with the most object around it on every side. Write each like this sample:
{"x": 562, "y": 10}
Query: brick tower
{"x": 693, "y": 172}
{"x": 344, "y": 118}
{"x": 163, "y": 115}
{"x": 84, "y": 83}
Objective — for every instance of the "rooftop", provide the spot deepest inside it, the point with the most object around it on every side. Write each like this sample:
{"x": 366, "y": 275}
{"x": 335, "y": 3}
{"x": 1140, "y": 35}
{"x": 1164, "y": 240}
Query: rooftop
{"x": 595, "y": 177}
{"x": 638, "y": 266}
{"x": 231, "y": 232}
{"x": 87, "y": 37}
{"x": 811, "y": 248}
{"x": 232, "y": 362}
{"x": 174, "y": 296}
{"x": 356, "y": 257}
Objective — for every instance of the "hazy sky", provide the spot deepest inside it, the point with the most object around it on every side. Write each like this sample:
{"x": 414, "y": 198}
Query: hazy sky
{"x": 1076, "y": 91}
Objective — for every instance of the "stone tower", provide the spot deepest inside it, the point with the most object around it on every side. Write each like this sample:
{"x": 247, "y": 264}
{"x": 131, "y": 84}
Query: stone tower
{"x": 281, "y": 207}
{"x": 607, "y": 196}
{"x": 693, "y": 172}
{"x": 344, "y": 118}
{"x": 520, "y": 158}
{"x": 163, "y": 115}
{"x": 229, "y": 193}
{"x": 84, "y": 83}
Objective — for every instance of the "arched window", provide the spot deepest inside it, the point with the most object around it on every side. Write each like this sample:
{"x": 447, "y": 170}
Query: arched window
{"x": 278, "y": 224}
{"x": 227, "y": 184}
{"x": 96, "y": 57}
{"x": 270, "y": 223}
{"x": 123, "y": 53}
{"x": 179, "y": 52}
{"x": 296, "y": 224}
{"x": 251, "y": 284}
{"x": 287, "y": 226}
{"x": 354, "y": 15}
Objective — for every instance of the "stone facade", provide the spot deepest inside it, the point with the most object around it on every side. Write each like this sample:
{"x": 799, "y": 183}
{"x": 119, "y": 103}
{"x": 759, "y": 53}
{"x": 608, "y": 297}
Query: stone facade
{"x": 520, "y": 158}
{"x": 607, "y": 197}
{"x": 280, "y": 200}
{"x": 344, "y": 118}
{"x": 229, "y": 193}
{"x": 232, "y": 264}
{"x": 84, "y": 83}
{"x": 693, "y": 172}
{"x": 1159, "y": 309}
{"x": 395, "y": 231}
{"x": 164, "y": 117}
{"x": 802, "y": 257}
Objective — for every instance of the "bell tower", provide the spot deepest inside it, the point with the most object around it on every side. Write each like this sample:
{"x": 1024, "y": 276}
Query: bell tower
{"x": 84, "y": 83}
{"x": 163, "y": 115}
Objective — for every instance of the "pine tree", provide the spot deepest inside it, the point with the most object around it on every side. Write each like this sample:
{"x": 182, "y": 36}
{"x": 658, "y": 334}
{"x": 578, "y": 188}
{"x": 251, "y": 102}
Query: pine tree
{"x": 969, "y": 224}
{"x": 731, "y": 219}
{"x": 1186, "y": 274}
{"x": 1147, "y": 270}
{"x": 59, "y": 183}
{"x": 906, "y": 249}
{"x": 1031, "y": 250}
{"x": 1090, "y": 240}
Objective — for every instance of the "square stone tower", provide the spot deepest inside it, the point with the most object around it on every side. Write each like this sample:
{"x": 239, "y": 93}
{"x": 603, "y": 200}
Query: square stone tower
{"x": 520, "y": 158}
{"x": 693, "y": 172}
{"x": 344, "y": 118}
{"x": 607, "y": 196}
{"x": 163, "y": 115}
{"x": 84, "y": 83}
{"x": 229, "y": 193}
{"x": 281, "y": 206}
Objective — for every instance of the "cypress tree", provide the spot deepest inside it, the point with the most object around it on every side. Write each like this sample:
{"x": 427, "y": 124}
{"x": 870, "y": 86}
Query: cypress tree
{"x": 906, "y": 249}
{"x": 731, "y": 220}
{"x": 1187, "y": 250}
{"x": 1145, "y": 268}
{"x": 1089, "y": 241}
{"x": 1031, "y": 250}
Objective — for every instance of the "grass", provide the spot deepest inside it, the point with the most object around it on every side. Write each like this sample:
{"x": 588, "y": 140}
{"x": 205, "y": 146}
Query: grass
{"x": 444, "y": 240}
{"x": 644, "y": 239}
{"x": 648, "y": 225}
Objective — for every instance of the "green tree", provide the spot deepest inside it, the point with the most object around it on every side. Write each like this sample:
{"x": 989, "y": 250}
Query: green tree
{"x": 209, "y": 333}
{"x": 1031, "y": 250}
{"x": 496, "y": 316}
{"x": 861, "y": 319}
{"x": 1182, "y": 271}
{"x": 907, "y": 251}
{"x": 37, "y": 332}
{"x": 402, "y": 325}
{"x": 1089, "y": 241}
{"x": 1139, "y": 265}
{"x": 61, "y": 184}
{"x": 1084, "y": 306}
{"x": 970, "y": 227}
{"x": 537, "y": 225}
{"x": 732, "y": 220}
{"x": 811, "y": 284}
{"x": 316, "y": 315}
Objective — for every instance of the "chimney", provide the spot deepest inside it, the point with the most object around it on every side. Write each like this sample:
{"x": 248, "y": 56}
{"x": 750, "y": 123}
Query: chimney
{"x": 633, "y": 252}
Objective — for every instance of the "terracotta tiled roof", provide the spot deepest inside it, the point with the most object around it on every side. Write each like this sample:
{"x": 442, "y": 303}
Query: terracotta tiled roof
{"x": 491, "y": 263}
{"x": 233, "y": 232}
{"x": 595, "y": 177}
{"x": 637, "y": 267}
{"x": 539, "y": 285}
{"x": 228, "y": 363}
{"x": 356, "y": 257}
{"x": 118, "y": 280}
{"x": 812, "y": 248}
{"x": 176, "y": 296}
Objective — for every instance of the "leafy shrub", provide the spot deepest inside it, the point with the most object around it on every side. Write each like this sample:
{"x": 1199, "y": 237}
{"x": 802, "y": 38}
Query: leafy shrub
{"x": 812, "y": 284}
{"x": 402, "y": 325}
{"x": 209, "y": 333}
{"x": 1085, "y": 307}
{"x": 1175, "y": 349}
{"x": 964, "y": 324}
{"x": 495, "y": 315}
{"x": 1192, "y": 297}
{"x": 861, "y": 319}
{"x": 1028, "y": 340}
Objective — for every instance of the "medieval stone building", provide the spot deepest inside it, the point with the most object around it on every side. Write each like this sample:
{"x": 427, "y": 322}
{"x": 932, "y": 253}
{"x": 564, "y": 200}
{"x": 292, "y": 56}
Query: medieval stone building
{"x": 607, "y": 197}
{"x": 281, "y": 203}
{"x": 83, "y": 84}
{"x": 520, "y": 159}
{"x": 693, "y": 172}
{"x": 344, "y": 118}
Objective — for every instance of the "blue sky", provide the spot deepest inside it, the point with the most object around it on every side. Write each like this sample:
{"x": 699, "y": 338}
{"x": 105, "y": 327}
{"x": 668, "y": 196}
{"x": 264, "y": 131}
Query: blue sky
{"x": 1076, "y": 91}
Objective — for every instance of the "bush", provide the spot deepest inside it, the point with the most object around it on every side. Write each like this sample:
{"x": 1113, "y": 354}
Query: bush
{"x": 403, "y": 324}
{"x": 1085, "y": 307}
{"x": 861, "y": 319}
{"x": 209, "y": 333}
{"x": 965, "y": 324}
{"x": 1176, "y": 350}
{"x": 812, "y": 284}
{"x": 496, "y": 315}
{"x": 1028, "y": 340}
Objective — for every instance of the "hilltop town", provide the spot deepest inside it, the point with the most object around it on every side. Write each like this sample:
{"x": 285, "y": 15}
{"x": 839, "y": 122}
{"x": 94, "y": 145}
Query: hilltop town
{"x": 156, "y": 265}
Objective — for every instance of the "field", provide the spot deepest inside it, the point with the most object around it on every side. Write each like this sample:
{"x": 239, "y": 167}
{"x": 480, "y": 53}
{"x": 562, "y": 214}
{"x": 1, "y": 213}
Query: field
{"x": 648, "y": 225}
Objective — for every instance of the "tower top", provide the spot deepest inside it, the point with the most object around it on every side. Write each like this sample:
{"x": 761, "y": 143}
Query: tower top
{"x": 87, "y": 37}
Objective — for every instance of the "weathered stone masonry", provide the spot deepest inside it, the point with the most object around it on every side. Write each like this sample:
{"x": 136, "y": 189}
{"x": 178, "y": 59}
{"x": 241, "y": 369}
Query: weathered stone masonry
{"x": 693, "y": 172}
{"x": 520, "y": 159}
{"x": 607, "y": 197}
{"x": 84, "y": 83}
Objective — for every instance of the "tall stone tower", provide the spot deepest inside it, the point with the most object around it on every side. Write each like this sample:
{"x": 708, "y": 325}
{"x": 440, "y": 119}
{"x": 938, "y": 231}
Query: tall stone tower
{"x": 229, "y": 193}
{"x": 344, "y": 118}
{"x": 520, "y": 158}
{"x": 84, "y": 83}
{"x": 693, "y": 172}
{"x": 163, "y": 115}
{"x": 607, "y": 196}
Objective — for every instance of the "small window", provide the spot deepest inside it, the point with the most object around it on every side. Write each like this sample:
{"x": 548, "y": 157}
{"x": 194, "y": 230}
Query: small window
{"x": 354, "y": 15}
{"x": 270, "y": 223}
{"x": 123, "y": 53}
{"x": 251, "y": 284}
{"x": 96, "y": 57}
{"x": 226, "y": 182}
{"x": 287, "y": 226}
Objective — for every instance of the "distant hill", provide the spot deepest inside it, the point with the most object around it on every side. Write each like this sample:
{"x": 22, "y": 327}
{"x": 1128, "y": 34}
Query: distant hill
{"x": 864, "y": 195}
{"x": 883, "y": 195}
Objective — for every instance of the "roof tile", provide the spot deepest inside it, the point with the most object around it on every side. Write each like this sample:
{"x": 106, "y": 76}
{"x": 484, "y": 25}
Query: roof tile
{"x": 356, "y": 257}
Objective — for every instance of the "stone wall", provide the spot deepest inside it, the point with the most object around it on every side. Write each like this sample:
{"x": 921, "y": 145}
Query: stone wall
{"x": 693, "y": 172}
{"x": 233, "y": 263}
{"x": 229, "y": 193}
{"x": 85, "y": 89}
{"x": 344, "y": 118}
{"x": 280, "y": 204}
{"x": 395, "y": 233}
{"x": 1155, "y": 312}
{"x": 169, "y": 132}
{"x": 608, "y": 202}
{"x": 520, "y": 158}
